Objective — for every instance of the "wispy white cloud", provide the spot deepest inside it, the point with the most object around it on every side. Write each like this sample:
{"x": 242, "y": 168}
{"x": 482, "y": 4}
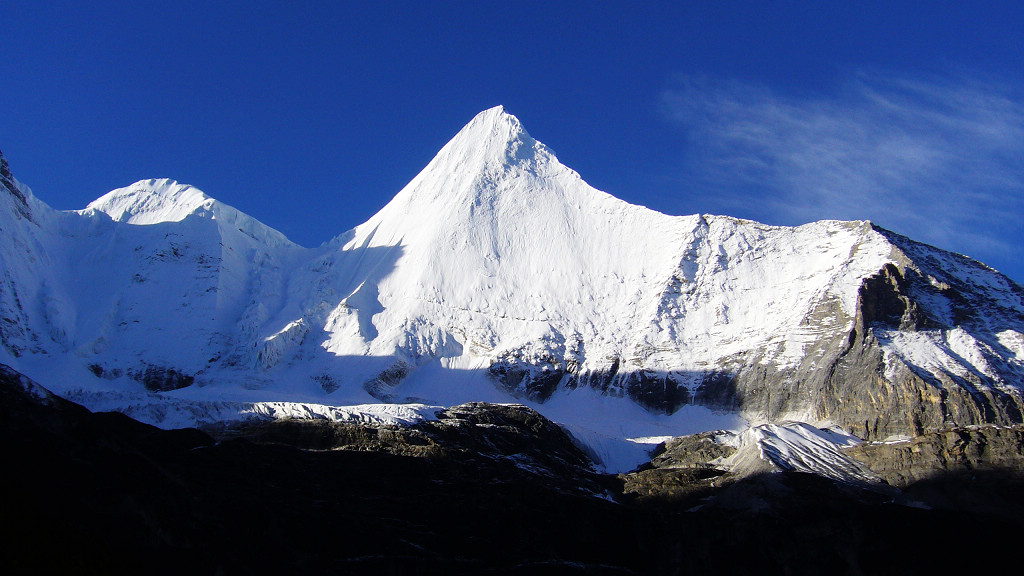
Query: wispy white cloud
{"x": 941, "y": 160}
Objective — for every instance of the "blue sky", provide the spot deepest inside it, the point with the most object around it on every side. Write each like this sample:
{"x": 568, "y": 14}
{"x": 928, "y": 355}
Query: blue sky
{"x": 311, "y": 115}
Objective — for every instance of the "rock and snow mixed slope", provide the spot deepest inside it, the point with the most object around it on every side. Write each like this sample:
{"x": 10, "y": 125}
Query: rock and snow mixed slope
{"x": 498, "y": 273}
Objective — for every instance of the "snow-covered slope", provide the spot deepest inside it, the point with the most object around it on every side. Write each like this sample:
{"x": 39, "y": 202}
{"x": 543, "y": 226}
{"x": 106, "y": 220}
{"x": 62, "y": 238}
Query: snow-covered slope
{"x": 497, "y": 256}
{"x": 153, "y": 283}
{"x": 498, "y": 274}
{"x": 158, "y": 201}
{"x": 32, "y": 303}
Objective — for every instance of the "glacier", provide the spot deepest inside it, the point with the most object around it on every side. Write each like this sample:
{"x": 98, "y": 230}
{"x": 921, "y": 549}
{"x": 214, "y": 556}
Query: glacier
{"x": 497, "y": 274}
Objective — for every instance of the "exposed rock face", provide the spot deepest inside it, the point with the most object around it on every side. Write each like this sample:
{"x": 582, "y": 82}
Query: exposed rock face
{"x": 154, "y": 378}
{"x": 976, "y": 449}
{"x": 382, "y": 386}
{"x": 884, "y": 300}
{"x": 21, "y": 297}
{"x": 925, "y": 351}
{"x": 883, "y": 385}
{"x": 529, "y": 381}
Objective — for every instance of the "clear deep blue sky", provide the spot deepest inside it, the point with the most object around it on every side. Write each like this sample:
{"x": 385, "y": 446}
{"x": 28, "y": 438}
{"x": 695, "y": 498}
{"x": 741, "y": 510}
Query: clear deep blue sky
{"x": 310, "y": 116}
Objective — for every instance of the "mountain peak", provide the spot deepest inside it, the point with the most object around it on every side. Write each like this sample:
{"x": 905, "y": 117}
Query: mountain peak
{"x": 492, "y": 163}
{"x": 492, "y": 137}
{"x": 164, "y": 200}
{"x": 152, "y": 201}
{"x": 495, "y": 118}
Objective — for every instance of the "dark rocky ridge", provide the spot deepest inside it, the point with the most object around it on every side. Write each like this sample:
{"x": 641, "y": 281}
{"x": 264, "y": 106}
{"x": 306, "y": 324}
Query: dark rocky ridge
{"x": 483, "y": 490}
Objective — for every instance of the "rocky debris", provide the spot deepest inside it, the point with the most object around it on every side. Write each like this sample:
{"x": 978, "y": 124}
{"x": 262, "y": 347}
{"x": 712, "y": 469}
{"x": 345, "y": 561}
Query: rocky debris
{"x": 674, "y": 484}
{"x": 951, "y": 469}
{"x": 701, "y": 465}
{"x": 694, "y": 451}
{"x": 518, "y": 440}
{"x": 321, "y": 434}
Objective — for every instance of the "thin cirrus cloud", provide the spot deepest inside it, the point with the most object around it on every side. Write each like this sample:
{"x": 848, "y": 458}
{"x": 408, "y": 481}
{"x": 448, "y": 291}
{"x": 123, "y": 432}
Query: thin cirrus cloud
{"x": 939, "y": 160}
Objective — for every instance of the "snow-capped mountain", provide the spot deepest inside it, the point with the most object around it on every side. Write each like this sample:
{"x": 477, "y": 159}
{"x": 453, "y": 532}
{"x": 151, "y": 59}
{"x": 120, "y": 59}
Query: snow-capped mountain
{"x": 497, "y": 273}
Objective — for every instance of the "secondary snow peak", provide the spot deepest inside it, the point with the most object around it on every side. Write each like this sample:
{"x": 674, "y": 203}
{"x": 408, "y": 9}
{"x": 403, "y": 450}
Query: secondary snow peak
{"x": 163, "y": 200}
{"x": 152, "y": 201}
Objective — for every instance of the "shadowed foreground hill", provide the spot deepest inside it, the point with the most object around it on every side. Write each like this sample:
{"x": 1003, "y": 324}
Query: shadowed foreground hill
{"x": 483, "y": 489}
